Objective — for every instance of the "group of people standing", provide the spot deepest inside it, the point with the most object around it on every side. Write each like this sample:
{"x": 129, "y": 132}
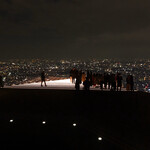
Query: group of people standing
{"x": 104, "y": 81}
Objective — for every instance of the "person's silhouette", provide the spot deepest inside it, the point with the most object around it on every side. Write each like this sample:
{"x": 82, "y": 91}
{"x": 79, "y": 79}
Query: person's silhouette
{"x": 86, "y": 84}
{"x": 119, "y": 81}
{"x": 78, "y": 82}
{"x": 1, "y": 82}
{"x": 132, "y": 83}
{"x": 43, "y": 78}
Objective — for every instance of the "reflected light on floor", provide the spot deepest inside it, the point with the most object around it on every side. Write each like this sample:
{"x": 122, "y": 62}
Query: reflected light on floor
{"x": 60, "y": 81}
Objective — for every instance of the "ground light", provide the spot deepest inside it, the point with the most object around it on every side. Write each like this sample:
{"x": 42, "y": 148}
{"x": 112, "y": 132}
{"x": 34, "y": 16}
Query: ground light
{"x": 74, "y": 124}
{"x": 100, "y": 138}
{"x": 43, "y": 122}
{"x": 11, "y": 120}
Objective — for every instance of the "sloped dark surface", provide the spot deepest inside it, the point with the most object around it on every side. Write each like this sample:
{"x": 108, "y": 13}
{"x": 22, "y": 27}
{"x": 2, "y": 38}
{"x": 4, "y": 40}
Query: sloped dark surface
{"x": 122, "y": 119}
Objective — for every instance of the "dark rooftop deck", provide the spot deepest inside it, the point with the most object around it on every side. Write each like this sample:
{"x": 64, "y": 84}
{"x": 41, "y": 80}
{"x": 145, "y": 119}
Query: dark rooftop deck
{"x": 122, "y": 119}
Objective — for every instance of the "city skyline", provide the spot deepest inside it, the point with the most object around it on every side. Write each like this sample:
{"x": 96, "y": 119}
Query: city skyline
{"x": 74, "y": 29}
{"x": 21, "y": 71}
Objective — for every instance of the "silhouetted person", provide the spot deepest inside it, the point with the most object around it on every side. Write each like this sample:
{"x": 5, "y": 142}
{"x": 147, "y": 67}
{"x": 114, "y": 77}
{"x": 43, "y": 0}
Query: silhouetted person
{"x": 43, "y": 78}
{"x": 113, "y": 82}
{"x": 80, "y": 75}
{"x": 74, "y": 74}
{"x": 1, "y": 82}
{"x": 94, "y": 79}
{"x": 105, "y": 80}
{"x": 90, "y": 78}
{"x": 71, "y": 75}
{"x": 128, "y": 85}
{"x": 78, "y": 82}
{"x": 131, "y": 83}
{"x": 108, "y": 80}
{"x": 88, "y": 74}
{"x": 119, "y": 81}
{"x": 86, "y": 84}
{"x": 101, "y": 81}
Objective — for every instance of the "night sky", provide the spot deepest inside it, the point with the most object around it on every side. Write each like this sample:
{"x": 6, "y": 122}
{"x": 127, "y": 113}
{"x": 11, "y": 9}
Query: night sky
{"x": 74, "y": 29}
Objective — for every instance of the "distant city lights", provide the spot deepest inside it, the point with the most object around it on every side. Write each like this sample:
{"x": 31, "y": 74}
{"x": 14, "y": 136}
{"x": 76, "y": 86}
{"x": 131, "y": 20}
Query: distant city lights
{"x": 25, "y": 72}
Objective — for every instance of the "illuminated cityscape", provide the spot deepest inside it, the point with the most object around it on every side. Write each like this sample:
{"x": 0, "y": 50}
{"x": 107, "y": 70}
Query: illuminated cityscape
{"x": 20, "y": 71}
{"x": 75, "y": 74}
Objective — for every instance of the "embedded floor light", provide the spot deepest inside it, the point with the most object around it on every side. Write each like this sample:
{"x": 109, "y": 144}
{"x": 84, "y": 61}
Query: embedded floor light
{"x": 43, "y": 122}
{"x": 11, "y": 120}
{"x": 74, "y": 124}
{"x": 100, "y": 138}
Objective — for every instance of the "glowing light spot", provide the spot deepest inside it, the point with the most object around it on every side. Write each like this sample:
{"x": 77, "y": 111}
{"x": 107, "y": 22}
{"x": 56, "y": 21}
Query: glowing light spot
{"x": 74, "y": 124}
{"x": 43, "y": 122}
{"x": 11, "y": 120}
{"x": 100, "y": 138}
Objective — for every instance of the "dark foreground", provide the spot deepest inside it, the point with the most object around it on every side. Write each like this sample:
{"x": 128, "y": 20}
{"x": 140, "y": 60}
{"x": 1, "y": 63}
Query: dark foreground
{"x": 122, "y": 119}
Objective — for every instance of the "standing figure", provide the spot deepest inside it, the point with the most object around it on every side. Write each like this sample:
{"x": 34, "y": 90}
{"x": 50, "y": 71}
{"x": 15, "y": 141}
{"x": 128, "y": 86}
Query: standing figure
{"x": 78, "y": 82}
{"x": 74, "y": 74}
{"x": 1, "y": 82}
{"x": 113, "y": 82}
{"x": 105, "y": 80}
{"x": 128, "y": 85}
{"x": 71, "y": 75}
{"x": 86, "y": 84}
{"x": 119, "y": 81}
{"x": 43, "y": 78}
{"x": 131, "y": 83}
{"x": 101, "y": 81}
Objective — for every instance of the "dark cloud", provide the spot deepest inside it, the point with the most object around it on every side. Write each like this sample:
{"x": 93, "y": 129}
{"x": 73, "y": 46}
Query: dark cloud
{"x": 3, "y": 13}
{"x": 22, "y": 17}
{"x": 8, "y": 1}
{"x": 106, "y": 27}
